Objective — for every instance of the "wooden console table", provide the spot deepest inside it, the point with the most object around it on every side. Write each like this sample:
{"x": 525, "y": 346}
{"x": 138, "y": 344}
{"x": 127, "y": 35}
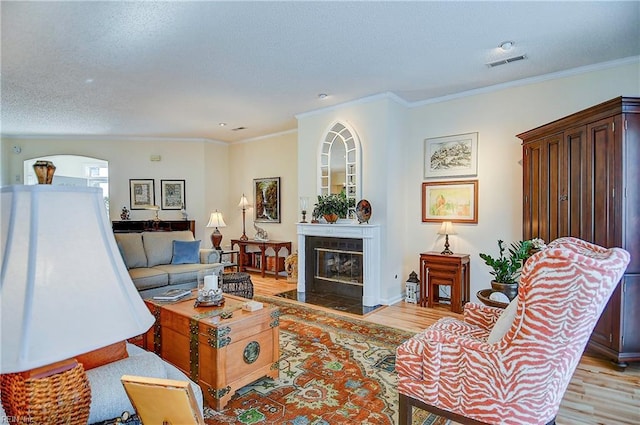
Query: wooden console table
{"x": 136, "y": 226}
{"x": 444, "y": 270}
{"x": 260, "y": 263}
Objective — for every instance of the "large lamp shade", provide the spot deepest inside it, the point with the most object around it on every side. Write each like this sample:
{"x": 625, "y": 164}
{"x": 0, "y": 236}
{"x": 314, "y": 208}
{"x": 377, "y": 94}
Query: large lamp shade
{"x": 65, "y": 289}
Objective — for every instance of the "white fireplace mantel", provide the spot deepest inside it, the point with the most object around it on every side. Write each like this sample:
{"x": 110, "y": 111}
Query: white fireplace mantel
{"x": 370, "y": 235}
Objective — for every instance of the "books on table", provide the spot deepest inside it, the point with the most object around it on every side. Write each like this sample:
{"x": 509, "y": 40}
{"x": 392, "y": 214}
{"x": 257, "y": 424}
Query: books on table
{"x": 172, "y": 295}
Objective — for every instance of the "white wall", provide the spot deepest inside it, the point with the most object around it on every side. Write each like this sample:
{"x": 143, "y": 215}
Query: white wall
{"x": 272, "y": 156}
{"x": 497, "y": 117}
{"x": 192, "y": 161}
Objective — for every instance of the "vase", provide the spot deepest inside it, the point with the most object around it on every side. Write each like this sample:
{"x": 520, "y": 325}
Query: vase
{"x": 509, "y": 289}
{"x": 331, "y": 218}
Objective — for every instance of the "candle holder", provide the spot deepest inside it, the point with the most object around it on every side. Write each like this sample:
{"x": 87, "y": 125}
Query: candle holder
{"x": 209, "y": 294}
{"x": 304, "y": 201}
{"x": 209, "y": 298}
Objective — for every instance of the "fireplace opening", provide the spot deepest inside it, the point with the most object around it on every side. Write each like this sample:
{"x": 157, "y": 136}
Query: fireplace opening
{"x": 334, "y": 266}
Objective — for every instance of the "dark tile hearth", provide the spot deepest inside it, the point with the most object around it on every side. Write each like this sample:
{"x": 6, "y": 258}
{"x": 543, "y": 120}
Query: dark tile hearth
{"x": 332, "y": 301}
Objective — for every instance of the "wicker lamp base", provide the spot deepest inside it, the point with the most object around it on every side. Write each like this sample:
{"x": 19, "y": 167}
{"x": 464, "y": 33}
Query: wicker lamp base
{"x": 59, "y": 395}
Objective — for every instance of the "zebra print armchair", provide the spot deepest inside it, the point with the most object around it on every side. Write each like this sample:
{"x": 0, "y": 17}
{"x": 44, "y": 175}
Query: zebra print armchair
{"x": 513, "y": 366}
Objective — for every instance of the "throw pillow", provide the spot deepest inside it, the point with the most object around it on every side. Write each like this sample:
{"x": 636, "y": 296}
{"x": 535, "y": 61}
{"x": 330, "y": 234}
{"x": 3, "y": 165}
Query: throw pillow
{"x": 186, "y": 252}
{"x": 103, "y": 356}
{"x": 504, "y": 322}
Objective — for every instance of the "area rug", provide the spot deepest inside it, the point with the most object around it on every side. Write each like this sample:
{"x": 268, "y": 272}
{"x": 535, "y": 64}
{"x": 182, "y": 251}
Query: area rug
{"x": 333, "y": 370}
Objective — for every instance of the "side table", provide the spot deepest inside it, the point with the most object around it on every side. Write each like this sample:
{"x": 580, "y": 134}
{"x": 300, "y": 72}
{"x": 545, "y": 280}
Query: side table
{"x": 444, "y": 270}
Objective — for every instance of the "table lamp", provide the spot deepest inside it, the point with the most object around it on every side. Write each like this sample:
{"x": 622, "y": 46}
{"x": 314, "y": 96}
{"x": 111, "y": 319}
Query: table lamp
{"x": 65, "y": 291}
{"x": 446, "y": 229}
{"x": 244, "y": 205}
{"x": 156, "y": 209}
{"x": 215, "y": 220}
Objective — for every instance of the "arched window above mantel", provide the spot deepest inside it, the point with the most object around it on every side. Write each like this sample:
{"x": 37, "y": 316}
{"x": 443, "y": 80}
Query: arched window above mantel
{"x": 339, "y": 162}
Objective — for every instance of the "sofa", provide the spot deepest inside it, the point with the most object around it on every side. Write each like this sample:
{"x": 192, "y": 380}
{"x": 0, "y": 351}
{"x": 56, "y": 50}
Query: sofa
{"x": 158, "y": 261}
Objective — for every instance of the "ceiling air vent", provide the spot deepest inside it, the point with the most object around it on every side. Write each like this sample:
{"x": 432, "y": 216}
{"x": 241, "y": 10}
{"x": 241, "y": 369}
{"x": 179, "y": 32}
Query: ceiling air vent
{"x": 506, "y": 61}
{"x": 238, "y": 128}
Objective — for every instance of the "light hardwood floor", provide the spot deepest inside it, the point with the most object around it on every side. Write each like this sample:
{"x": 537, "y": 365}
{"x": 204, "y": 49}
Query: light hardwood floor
{"x": 597, "y": 393}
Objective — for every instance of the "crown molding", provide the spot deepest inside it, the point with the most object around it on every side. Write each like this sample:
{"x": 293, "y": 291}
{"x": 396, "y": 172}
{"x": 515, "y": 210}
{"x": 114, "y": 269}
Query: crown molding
{"x": 266, "y": 136}
{"x": 532, "y": 80}
{"x": 367, "y": 99}
{"x": 111, "y": 138}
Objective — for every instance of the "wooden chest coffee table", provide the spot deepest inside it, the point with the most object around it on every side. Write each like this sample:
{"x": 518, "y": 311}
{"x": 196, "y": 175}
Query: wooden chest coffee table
{"x": 220, "y": 353}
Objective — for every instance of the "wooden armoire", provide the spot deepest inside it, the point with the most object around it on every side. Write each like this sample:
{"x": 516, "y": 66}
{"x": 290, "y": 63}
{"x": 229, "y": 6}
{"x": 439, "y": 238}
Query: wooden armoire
{"x": 581, "y": 177}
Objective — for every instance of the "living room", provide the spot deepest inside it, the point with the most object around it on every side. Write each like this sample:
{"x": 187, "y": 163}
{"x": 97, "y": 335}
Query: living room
{"x": 392, "y": 137}
{"x": 392, "y": 133}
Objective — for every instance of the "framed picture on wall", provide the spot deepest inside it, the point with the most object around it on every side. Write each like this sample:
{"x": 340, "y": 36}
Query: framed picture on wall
{"x": 172, "y": 194}
{"x": 141, "y": 193}
{"x": 266, "y": 198}
{"x": 451, "y": 156}
{"x": 455, "y": 201}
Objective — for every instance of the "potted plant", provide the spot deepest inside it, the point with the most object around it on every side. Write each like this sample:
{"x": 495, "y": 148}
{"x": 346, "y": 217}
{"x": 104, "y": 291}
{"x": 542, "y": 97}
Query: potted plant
{"x": 332, "y": 207}
{"x": 506, "y": 268}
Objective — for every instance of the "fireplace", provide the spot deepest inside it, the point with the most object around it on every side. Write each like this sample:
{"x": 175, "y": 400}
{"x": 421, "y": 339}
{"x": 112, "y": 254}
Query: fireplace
{"x": 341, "y": 259}
{"x": 335, "y": 266}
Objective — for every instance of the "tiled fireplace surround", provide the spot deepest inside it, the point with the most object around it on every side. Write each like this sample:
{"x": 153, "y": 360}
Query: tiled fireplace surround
{"x": 370, "y": 236}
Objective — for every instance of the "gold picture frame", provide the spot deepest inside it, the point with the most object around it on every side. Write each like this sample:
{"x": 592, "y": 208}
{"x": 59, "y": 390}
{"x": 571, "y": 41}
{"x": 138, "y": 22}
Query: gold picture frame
{"x": 455, "y": 201}
{"x": 266, "y": 198}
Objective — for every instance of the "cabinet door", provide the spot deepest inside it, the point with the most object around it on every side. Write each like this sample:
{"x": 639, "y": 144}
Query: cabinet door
{"x": 555, "y": 198}
{"x": 630, "y": 316}
{"x": 574, "y": 182}
{"x": 542, "y": 185}
{"x": 598, "y": 209}
{"x": 531, "y": 187}
{"x": 607, "y": 329}
{"x": 531, "y": 154}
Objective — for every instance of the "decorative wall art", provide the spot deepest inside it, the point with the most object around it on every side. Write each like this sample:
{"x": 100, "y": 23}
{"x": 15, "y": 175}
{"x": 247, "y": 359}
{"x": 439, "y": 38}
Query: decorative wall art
{"x": 455, "y": 201}
{"x": 141, "y": 193}
{"x": 172, "y": 194}
{"x": 451, "y": 156}
{"x": 266, "y": 196}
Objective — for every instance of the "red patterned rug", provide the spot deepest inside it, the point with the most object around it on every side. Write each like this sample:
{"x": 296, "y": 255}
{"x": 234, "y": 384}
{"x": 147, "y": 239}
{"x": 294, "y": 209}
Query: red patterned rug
{"x": 333, "y": 370}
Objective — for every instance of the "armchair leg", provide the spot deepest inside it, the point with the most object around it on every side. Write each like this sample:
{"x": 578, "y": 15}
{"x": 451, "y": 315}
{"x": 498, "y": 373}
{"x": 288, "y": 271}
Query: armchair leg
{"x": 406, "y": 402}
{"x": 404, "y": 410}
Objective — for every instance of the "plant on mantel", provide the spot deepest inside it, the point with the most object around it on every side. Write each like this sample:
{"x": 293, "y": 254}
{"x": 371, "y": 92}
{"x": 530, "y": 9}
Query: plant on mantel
{"x": 332, "y": 206}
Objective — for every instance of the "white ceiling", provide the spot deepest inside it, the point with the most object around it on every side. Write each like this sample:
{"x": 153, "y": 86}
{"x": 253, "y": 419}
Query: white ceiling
{"x": 178, "y": 69}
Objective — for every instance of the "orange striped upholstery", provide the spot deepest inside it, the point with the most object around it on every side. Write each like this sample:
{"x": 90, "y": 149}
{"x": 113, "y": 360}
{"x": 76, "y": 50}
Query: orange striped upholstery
{"x": 522, "y": 378}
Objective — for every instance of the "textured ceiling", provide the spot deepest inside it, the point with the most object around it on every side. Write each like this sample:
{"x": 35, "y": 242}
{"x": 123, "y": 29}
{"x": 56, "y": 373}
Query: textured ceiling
{"x": 177, "y": 69}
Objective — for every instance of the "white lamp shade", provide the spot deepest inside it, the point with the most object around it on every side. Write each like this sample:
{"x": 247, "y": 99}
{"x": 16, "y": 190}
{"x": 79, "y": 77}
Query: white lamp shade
{"x": 446, "y": 228}
{"x": 215, "y": 220}
{"x": 65, "y": 289}
{"x": 244, "y": 202}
